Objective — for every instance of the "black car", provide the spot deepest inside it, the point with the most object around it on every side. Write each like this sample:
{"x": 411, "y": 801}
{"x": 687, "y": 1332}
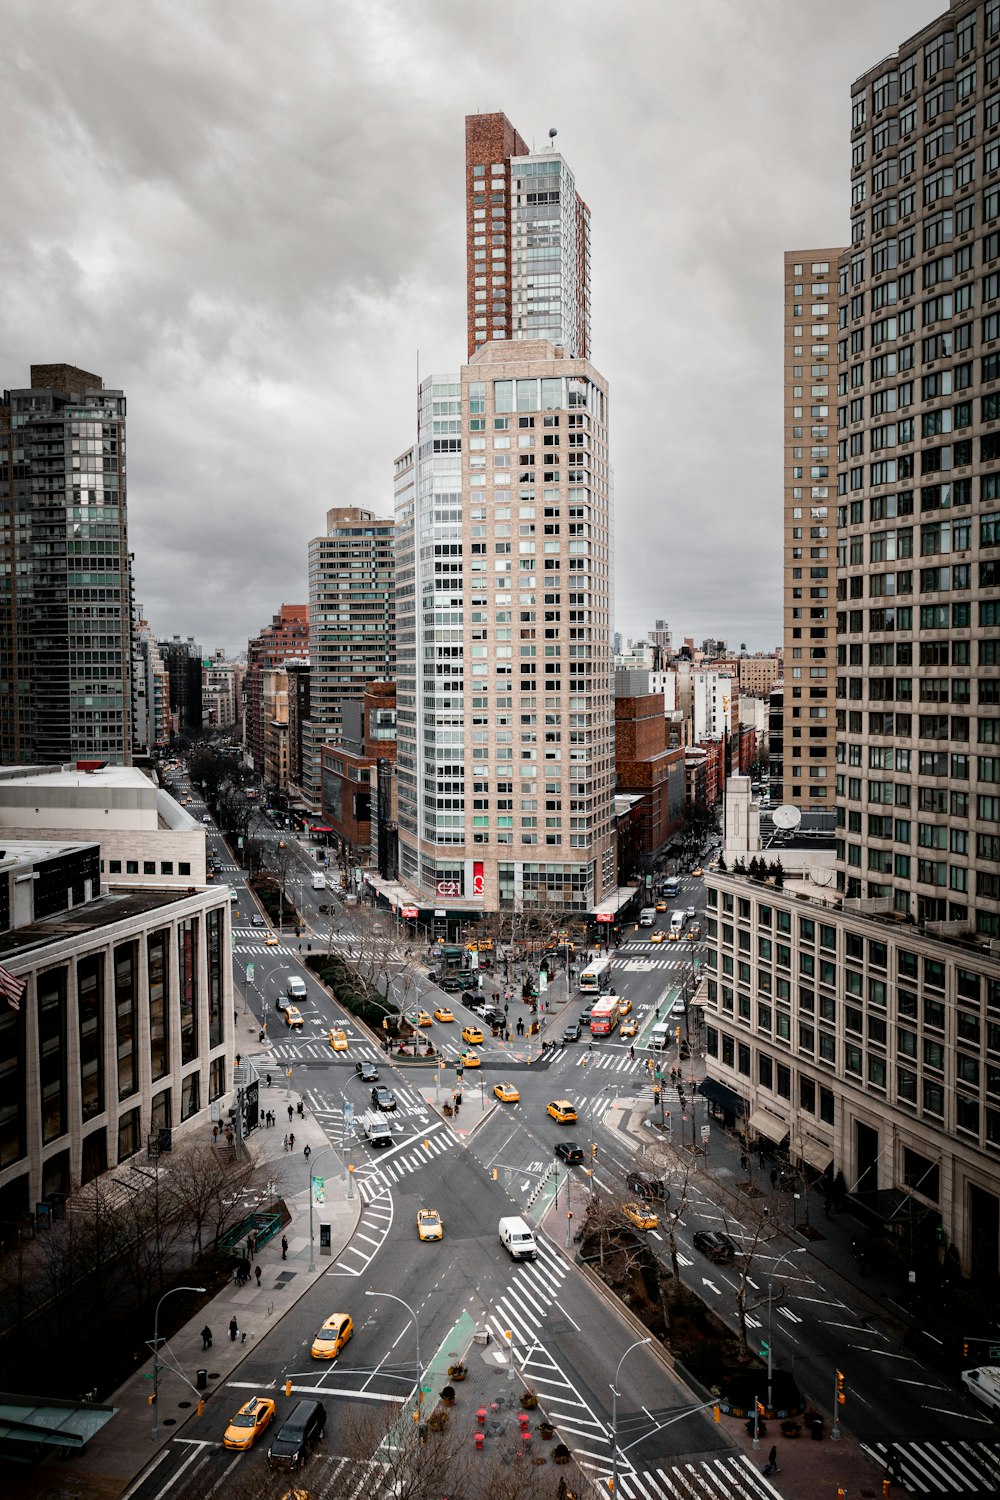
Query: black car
{"x": 572, "y": 1032}
{"x": 383, "y": 1099}
{"x": 569, "y": 1152}
{"x": 716, "y": 1245}
{"x": 645, "y": 1187}
{"x": 367, "y": 1072}
{"x": 492, "y": 1016}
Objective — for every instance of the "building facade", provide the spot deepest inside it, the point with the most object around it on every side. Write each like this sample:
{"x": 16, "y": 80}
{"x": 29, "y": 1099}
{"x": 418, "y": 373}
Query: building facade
{"x": 285, "y": 639}
{"x": 183, "y": 661}
{"x": 122, "y": 1031}
{"x": 527, "y": 241}
{"x": 66, "y": 596}
{"x": 352, "y": 626}
{"x": 150, "y": 692}
{"x": 505, "y": 705}
{"x": 861, "y": 1022}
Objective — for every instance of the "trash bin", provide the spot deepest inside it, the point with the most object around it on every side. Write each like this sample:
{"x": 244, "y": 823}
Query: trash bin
{"x": 816, "y": 1432}
{"x": 201, "y": 1379}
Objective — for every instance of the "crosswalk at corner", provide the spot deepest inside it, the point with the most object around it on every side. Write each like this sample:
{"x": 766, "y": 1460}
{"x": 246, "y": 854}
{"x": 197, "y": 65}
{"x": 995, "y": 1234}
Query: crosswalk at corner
{"x": 945, "y": 1467}
{"x": 731, "y": 1474}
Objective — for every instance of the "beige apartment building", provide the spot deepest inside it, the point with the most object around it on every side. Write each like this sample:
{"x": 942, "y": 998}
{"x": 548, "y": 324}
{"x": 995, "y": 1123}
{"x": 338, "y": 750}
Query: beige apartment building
{"x": 505, "y": 707}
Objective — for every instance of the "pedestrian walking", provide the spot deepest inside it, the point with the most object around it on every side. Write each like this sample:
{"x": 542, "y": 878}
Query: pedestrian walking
{"x": 284, "y": 1247}
{"x": 269, "y": 1080}
{"x": 234, "y": 1329}
{"x": 291, "y": 1114}
{"x": 215, "y": 1135}
{"x": 774, "y": 1177}
{"x": 307, "y": 1151}
{"x": 256, "y": 1272}
{"x": 631, "y": 1053}
{"x": 894, "y": 1464}
{"x": 206, "y": 1337}
{"x": 772, "y": 1459}
{"x": 286, "y": 1141}
{"x": 291, "y": 1142}
{"x": 762, "y": 1162}
{"x": 302, "y": 1111}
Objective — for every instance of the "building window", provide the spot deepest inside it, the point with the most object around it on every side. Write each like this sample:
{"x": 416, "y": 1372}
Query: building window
{"x": 159, "y": 1014}
{"x": 90, "y": 1008}
{"x": 126, "y": 1018}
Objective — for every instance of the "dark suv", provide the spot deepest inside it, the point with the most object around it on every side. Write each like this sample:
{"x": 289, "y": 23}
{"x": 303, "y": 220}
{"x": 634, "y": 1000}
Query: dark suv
{"x": 367, "y": 1072}
{"x": 383, "y": 1098}
{"x": 716, "y": 1245}
{"x": 645, "y": 1187}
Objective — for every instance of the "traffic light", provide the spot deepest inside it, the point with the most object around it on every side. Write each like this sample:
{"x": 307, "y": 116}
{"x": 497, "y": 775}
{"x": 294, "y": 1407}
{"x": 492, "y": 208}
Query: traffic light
{"x": 151, "y": 1399}
{"x": 593, "y": 1148}
{"x": 656, "y": 1094}
{"x": 841, "y": 1398}
{"x": 965, "y": 1350}
{"x": 761, "y": 1409}
{"x": 494, "y": 1173}
{"x": 201, "y": 1407}
{"x": 288, "y": 1386}
{"x": 717, "y": 1413}
{"x": 886, "y": 1489}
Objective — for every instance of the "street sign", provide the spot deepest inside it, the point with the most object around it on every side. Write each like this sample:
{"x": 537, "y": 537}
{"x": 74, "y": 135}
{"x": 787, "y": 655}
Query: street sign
{"x": 250, "y": 971}
{"x": 764, "y": 1348}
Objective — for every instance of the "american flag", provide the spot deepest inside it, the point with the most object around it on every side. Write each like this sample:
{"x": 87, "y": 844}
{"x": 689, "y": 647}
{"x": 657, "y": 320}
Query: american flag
{"x": 11, "y": 988}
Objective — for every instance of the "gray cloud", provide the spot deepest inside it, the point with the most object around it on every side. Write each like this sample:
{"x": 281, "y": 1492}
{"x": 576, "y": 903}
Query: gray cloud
{"x": 250, "y": 217}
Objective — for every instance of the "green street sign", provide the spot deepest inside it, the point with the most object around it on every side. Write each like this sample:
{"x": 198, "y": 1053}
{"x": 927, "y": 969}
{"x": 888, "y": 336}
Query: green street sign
{"x": 765, "y": 1347}
{"x": 425, "y": 1390}
{"x": 147, "y": 1376}
{"x": 250, "y": 971}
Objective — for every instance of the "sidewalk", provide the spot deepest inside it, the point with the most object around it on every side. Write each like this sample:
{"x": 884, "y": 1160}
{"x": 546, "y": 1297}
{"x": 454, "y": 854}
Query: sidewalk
{"x": 806, "y": 1468}
{"x": 124, "y": 1446}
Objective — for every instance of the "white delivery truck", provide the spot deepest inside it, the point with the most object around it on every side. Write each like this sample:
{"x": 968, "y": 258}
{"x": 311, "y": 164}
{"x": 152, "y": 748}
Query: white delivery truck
{"x": 647, "y": 916}
{"x": 676, "y": 924}
{"x": 296, "y": 990}
{"x": 517, "y": 1239}
{"x": 318, "y": 881}
{"x": 375, "y": 1128}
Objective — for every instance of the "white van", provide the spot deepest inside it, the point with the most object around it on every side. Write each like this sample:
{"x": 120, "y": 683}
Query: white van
{"x": 517, "y": 1239}
{"x": 647, "y": 916}
{"x": 661, "y": 1036}
{"x": 296, "y": 990}
{"x": 318, "y": 881}
{"x": 984, "y": 1383}
{"x": 376, "y": 1129}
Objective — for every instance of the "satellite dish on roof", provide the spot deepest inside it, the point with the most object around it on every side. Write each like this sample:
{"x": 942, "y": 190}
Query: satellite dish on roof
{"x": 787, "y": 816}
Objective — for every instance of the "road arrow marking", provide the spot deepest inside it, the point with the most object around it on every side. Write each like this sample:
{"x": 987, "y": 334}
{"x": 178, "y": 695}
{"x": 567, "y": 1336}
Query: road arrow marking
{"x": 711, "y": 1286}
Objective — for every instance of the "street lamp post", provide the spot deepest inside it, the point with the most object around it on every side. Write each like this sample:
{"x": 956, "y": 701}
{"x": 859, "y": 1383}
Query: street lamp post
{"x": 325, "y": 1150}
{"x": 796, "y": 1250}
{"x": 614, "y": 1413}
{"x": 416, "y": 1328}
{"x": 156, "y": 1352}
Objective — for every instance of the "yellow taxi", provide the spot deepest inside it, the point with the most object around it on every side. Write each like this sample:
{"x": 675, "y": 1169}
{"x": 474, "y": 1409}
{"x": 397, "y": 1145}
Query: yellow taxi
{"x": 429, "y": 1225}
{"x": 656, "y": 937}
{"x": 639, "y": 1216}
{"x": 420, "y": 1018}
{"x": 673, "y": 937}
{"x": 271, "y": 941}
{"x": 698, "y": 872}
{"x": 443, "y": 1015}
{"x": 506, "y": 1093}
{"x": 338, "y": 1040}
{"x": 469, "y": 1059}
{"x": 629, "y": 1028}
{"x": 562, "y": 1111}
{"x": 624, "y": 1007}
{"x": 248, "y": 1423}
{"x": 282, "y": 844}
{"x": 661, "y": 906}
{"x": 293, "y": 1017}
{"x": 332, "y": 1338}
{"x": 472, "y": 1035}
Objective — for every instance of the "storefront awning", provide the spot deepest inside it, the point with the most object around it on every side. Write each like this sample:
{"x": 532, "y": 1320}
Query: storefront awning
{"x": 725, "y": 1098}
{"x": 814, "y": 1153}
{"x": 766, "y": 1125}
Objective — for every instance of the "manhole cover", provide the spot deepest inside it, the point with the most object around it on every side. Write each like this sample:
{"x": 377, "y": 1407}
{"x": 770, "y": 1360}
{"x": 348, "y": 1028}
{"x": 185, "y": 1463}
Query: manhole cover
{"x": 557, "y": 1327}
{"x": 284, "y": 1276}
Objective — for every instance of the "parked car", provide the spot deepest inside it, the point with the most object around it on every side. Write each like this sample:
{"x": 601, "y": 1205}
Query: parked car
{"x": 716, "y": 1245}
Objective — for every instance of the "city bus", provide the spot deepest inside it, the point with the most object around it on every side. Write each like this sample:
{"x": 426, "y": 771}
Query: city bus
{"x": 595, "y": 978}
{"x": 671, "y": 886}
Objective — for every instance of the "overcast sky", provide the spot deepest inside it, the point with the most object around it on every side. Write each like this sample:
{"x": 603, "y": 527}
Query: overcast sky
{"x": 249, "y": 216}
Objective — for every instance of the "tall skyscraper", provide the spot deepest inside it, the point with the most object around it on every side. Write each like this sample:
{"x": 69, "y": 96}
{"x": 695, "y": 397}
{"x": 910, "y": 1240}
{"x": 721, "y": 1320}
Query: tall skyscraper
{"x": 352, "y": 626}
{"x": 527, "y": 241}
{"x": 854, "y": 1014}
{"x": 285, "y": 639}
{"x": 806, "y": 771}
{"x": 66, "y": 594}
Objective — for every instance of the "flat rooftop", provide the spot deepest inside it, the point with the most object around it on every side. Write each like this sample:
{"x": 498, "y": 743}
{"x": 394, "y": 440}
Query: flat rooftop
{"x": 92, "y": 915}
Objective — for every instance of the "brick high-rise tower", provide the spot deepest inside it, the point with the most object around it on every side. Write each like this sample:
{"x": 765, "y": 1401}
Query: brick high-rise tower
{"x": 527, "y": 241}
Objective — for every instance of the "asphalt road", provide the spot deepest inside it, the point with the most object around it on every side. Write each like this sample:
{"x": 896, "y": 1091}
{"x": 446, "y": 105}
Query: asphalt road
{"x": 817, "y": 1322}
